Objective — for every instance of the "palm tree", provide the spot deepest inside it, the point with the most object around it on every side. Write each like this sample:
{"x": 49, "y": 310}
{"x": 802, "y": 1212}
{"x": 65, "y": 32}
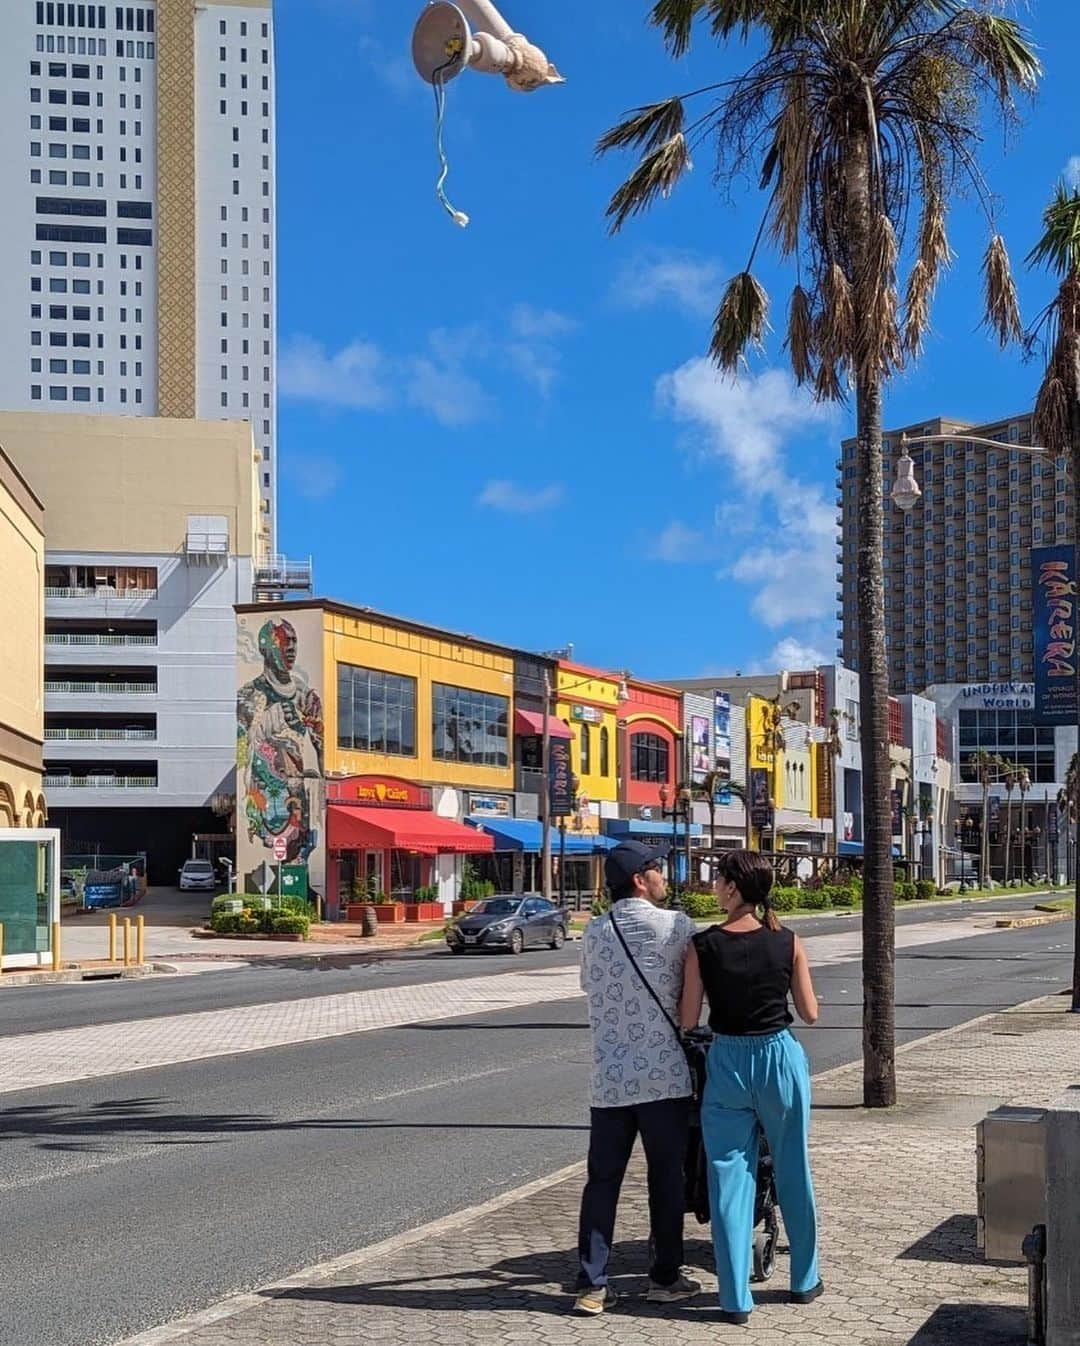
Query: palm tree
{"x": 1057, "y": 407}
{"x": 1010, "y": 778}
{"x": 709, "y": 788}
{"x": 856, "y": 111}
{"x": 985, "y": 767}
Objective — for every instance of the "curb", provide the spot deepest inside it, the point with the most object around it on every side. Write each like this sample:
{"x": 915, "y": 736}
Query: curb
{"x": 1022, "y": 922}
{"x": 73, "y": 975}
{"x": 322, "y": 1271}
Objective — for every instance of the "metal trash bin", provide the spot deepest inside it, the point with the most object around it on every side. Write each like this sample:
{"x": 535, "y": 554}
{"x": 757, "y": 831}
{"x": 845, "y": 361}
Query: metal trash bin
{"x": 1011, "y": 1168}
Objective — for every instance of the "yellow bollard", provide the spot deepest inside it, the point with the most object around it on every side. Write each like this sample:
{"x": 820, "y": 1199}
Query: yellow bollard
{"x": 56, "y": 946}
{"x": 127, "y": 941}
{"x": 140, "y": 940}
{"x": 112, "y": 936}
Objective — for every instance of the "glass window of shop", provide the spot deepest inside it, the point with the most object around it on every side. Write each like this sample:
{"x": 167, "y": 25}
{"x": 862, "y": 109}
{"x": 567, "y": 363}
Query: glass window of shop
{"x": 1010, "y": 733}
{"x": 376, "y": 711}
{"x": 24, "y": 896}
{"x": 470, "y": 727}
{"x": 648, "y": 758}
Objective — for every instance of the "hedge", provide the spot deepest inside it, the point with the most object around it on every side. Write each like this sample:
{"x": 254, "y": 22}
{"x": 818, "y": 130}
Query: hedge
{"x": 260, "y": 922}
{"x": 294, "y": 906}
{"x": 700, "y": 905}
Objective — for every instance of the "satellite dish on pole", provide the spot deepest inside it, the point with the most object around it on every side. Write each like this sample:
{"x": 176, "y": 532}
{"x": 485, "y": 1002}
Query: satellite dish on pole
{"x": 441, "y": 42}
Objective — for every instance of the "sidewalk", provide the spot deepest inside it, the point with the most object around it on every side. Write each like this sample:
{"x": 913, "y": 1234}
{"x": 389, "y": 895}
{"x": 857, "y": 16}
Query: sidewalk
{"x": 897, "y": 1198}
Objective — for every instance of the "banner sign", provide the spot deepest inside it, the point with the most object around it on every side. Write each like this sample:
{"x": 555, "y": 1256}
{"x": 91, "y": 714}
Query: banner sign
{"x": 560, "y": 778}
{"x": 760, "y": 803}
{"x": 1052, "y": 823}
{"x": 722, "y": 745}
{"x": 896, "y": 811}
{"x": 700, "y": 748}
{"x": 994, "y": 811}
{"x": 1055, "y": 597}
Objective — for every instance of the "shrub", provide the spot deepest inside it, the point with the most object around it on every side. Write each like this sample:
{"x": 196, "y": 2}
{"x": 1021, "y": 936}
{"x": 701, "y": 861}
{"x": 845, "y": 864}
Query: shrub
{"x": 786, "y": 899}
{"x": 290, "y": 925}
{"x": 925, "y": 889}
{"x": 905, "y": 891}
{"x": 600, "y": 905}
{"x": 845, "y": 897}
{"x": 700, "y": 905}
{"x": 816, "y": 899}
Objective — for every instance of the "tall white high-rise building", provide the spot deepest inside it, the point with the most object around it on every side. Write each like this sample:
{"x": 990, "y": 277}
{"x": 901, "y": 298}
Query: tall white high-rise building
{"x": 137, "y": 256}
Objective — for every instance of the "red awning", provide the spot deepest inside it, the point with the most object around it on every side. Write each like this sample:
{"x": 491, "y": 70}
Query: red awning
{"x": 401, "y": 830}
{"x": 531, "y": 722}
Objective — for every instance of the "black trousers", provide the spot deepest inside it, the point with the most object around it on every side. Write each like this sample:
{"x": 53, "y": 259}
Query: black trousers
{"x": 663, "y": 1130}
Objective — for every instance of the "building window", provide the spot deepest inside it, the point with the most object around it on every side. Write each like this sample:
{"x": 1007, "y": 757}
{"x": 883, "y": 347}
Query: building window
{"x": 585, "y": 751}
{"x": 469, "y": 726}
{"x": 1010, "y": 733}
{"x": 376, "y": 711}
{"x": 605, "y": 759}
{"x": 649, "y": 758}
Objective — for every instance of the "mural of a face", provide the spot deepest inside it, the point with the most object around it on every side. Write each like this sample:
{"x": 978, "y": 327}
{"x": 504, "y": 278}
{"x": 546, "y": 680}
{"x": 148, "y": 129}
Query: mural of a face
{"x": 277, "y": 645}
{"x": 279, "y": 746}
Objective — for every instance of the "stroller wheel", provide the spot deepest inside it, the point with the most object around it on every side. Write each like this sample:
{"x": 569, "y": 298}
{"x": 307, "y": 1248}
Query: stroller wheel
{"x": 764, "y": 1255}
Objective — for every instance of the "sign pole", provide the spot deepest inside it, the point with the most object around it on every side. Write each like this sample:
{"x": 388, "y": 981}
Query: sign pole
{"x": 545, "y": 792}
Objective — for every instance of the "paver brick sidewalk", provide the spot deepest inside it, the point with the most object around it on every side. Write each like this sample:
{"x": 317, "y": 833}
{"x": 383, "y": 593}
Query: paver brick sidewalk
{"x": 897, "y": 1198}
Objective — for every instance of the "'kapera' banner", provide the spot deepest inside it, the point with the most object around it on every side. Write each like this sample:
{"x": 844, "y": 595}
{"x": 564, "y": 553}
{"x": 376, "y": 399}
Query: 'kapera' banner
{"x": 1055, "y": 611}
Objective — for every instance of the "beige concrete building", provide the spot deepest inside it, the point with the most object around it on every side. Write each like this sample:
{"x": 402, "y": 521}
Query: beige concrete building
{"x": 22, "y": 578}
{"x": 154, "y": 533}
{"x": 958, "y": 603}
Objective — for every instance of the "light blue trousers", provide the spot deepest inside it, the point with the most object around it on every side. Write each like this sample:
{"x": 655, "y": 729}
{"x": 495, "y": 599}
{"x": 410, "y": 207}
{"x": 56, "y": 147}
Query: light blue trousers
{"x": 752, "y": 1082}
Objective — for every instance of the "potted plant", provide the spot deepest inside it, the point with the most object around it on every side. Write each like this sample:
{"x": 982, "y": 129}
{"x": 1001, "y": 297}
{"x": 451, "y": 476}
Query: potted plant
{"x": 471, "y": 891}
{"x": 425, "y": 905}
{"x": 359, "y": 900}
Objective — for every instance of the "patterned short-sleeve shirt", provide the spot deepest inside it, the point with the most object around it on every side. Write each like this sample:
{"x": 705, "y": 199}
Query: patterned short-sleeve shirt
{"x": 636, "y": 1057}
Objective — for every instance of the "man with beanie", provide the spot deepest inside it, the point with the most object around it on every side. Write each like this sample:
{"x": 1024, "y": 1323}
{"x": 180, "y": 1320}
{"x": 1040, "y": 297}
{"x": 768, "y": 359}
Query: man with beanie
{"x": 640, "y": 1082}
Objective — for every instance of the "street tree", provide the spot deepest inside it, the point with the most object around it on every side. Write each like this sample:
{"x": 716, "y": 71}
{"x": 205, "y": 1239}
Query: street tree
{"x": 1057, "y": 407}
{"x": 859, "y": 117}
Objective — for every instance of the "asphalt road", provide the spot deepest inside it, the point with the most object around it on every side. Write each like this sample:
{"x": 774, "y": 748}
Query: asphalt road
{"x": 35, "y": 1009}
{"x": 128, "y": 1201}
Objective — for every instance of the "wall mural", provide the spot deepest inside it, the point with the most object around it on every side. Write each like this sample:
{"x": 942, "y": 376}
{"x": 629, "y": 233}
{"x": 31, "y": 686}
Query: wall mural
{"x": 279, "y": 744}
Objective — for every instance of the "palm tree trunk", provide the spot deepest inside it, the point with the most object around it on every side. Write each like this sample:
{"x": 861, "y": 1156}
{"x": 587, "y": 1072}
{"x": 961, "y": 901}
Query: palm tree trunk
{"x": 878, "y": 930}
{"x": 984, "y": 840}
{"x": 1008, "y": 833}
{"x": 878, "y": 926}
{"x": 1074, "y": 436}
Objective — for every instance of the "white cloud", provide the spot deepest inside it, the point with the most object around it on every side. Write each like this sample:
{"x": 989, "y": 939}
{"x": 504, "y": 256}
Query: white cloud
{"x": 533, "y": 324}
{"x": 793, "y": 655}
{"x": 1072, "y": 172}
{"x": 393, "y": 71}
{"x": 514, "y": 499}
{"x": 678, "y": 543}
{"x": 531, "y": 350}
{"x": 786, "y": 554}
{"x": 357, "y": 376}
{"x": 314, "y": 476}
{"x": 683, "y": 279}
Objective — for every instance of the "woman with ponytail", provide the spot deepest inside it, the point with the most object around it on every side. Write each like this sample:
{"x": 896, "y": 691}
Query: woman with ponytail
{"x": 758, "y": 1076}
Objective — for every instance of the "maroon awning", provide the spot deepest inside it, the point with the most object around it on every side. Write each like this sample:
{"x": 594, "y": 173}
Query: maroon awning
{"x": 530, "y": 723}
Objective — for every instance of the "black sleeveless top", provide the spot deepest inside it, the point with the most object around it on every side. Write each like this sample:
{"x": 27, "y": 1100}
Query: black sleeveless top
{"x": 747, "y": 979}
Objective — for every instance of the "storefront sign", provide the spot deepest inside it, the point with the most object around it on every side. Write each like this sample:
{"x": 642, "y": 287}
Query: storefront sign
{"x": 1054, "y": 600}
{"x": 994, "y": 811}
{"x": 722, "y": 745}
{"x": 1000, "y": 695}
{"x": 760, "y": 803}
{"x": 378, "y": 792}
{"x": 701, "y": 758}
{"x": 1052, "y": 822}
{"x": 490, "y": 806}
{"x": 560, "y": 778}
{"x": 587, "y": 714}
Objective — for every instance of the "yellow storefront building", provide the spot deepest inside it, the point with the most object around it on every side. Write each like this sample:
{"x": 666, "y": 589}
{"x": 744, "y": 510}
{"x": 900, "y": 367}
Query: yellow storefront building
{"x": 371, "y": 749}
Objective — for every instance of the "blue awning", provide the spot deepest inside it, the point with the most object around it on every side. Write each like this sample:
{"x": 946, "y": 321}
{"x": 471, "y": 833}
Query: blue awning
{"x": 526, "y": 834}
{"x": 646, "y": 827}
{"x": 856, "y": 848}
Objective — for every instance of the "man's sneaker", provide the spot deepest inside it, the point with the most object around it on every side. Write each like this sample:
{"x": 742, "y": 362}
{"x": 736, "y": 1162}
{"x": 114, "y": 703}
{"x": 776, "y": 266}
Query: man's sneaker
{"x": 683, "y": 1288}
{"x": 592, "y": 1302}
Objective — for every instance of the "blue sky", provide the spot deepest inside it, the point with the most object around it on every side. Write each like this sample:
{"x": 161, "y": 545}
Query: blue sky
{"x": 510, "y": 429}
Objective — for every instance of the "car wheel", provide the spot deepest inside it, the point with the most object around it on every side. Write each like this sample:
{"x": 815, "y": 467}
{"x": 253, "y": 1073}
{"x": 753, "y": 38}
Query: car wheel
{"x": 517, "y": 941}
{"x": 558, "y": 937}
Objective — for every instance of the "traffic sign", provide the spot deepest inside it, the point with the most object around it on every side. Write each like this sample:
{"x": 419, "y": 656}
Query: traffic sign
{"x": 263, "y": 878}
{"x": 281, "y": 849}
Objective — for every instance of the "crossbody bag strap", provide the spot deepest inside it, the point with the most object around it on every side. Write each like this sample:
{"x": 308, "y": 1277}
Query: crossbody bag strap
{"x": 643, "y": 979}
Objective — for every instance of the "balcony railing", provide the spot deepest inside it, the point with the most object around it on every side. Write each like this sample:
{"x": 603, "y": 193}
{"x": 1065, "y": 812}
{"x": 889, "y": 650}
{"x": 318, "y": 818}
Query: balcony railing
{"x": 63, "y": 782}
{"x": 90, "y": 638}
{"x": 98, "y": 591}
{"x": 65, "y": 735}
{"x": 107, "y": 688}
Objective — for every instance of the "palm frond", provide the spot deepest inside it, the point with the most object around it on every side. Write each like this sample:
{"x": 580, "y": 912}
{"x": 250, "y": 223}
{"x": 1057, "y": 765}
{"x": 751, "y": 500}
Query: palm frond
{"x": 656, "y": 175}
{"x": 878, "y": 348}
{"x": 1002, "y": 308}
{"x": 933, "y": 253}
{"x": 645, "y": 128}
{"x": 741, "y": 321}
{"x": 827, "y": 385}
{"x": 1004, "y": 50}
{"x": 836, "y": 327}
{"x": 801, "y": 341}
{"x": 788, "y": 161}
{"x": 1059, "y": 247}
{"x": 1051, "y": 425}
{"x": 675, "y": 18}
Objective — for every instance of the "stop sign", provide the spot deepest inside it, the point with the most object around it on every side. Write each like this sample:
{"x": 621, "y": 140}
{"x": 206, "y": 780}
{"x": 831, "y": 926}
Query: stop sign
{"x": 281, "y": 848}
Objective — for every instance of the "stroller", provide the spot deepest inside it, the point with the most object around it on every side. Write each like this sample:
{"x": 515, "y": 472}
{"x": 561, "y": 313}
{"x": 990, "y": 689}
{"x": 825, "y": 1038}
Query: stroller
{"x": 695, "y": 1175}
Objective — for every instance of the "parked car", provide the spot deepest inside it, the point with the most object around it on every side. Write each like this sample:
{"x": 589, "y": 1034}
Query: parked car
{"x": 197, "y": 875}
{"x": 511, "y": 922}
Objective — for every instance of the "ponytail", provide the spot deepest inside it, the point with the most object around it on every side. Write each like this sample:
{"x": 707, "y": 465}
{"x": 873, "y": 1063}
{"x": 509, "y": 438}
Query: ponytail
{"x": 769, "y": 918}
